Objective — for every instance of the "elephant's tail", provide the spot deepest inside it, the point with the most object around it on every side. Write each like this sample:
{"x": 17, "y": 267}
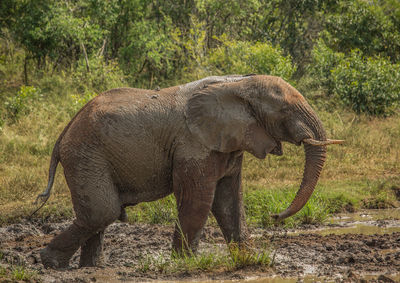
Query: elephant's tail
{"x": 55, "y": 158}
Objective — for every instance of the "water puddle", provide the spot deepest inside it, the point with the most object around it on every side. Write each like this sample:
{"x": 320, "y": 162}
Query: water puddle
{"x": 371, "y": 214}
{"x": 364, "y": 229}
{"x": 304, "y": 279}
{"x": 368, "y": 222}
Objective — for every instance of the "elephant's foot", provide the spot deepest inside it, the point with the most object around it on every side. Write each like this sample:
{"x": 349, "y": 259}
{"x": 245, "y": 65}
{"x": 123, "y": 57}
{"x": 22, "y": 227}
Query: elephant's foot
{"x": 92, "y": 251}
{"x": 55, "y": 259}
{"x": 91, "y": 261}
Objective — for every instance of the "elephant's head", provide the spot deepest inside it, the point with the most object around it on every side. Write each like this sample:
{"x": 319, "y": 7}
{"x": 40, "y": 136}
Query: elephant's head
{"x": 255, "y": 114}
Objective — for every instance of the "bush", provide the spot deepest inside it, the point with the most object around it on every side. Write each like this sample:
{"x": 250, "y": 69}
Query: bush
{"x": 21, "y": 103}
{"x": 369, "y": 85}
{"x": 241, "y": 57}
{"x": 370, "y": 26}
{"x": 78, "y": 101}
{"x": 101, "y": 77}
{"x": 324, "y": 61}
{"x": 150, "y": 52}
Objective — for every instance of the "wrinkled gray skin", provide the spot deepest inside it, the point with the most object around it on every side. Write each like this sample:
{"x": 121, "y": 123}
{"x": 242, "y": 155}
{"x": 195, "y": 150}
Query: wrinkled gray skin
{"x": 128, "y": 146}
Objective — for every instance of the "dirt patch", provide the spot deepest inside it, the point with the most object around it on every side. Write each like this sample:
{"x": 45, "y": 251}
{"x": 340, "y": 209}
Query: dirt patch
{"x": 332, "y": 255}
{"x": 337, "y": 257}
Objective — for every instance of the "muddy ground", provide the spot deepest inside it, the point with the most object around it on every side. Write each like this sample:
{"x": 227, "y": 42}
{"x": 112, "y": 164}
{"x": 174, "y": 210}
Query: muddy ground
{"x": 305, "y": 255}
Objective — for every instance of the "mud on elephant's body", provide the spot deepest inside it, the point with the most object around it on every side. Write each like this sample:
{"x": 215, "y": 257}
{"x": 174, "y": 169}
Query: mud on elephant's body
{"x": 128, "y": 146}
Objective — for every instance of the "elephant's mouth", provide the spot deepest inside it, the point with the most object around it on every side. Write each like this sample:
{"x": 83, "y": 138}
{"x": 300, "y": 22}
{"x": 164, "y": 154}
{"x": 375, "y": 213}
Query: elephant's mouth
{"x": 278, "y": 149}
{"x": 298, "y": 143}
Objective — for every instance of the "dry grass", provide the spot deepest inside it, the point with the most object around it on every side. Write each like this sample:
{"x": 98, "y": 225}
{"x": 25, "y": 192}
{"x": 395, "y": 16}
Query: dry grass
{"x": 371, "y": 151}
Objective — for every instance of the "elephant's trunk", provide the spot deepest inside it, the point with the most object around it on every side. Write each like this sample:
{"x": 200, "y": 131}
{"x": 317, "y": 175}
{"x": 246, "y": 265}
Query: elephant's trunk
{"x": 315, "y": 153}
{"x": 315, "y": 158}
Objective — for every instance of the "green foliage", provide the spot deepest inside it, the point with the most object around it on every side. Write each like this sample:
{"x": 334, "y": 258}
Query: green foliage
{"x": 1, "y": 124}
{"x": 54, "y": 29}
{"x": 149, "y": 51}
{"x": 80, "y": 100}
{"x": 324, "y": 61}
{"x": 101, "y": 77}
{"x": 154, "y": 43}
{"x": 21, "y": 103}
{"x": 192, "y": 48}
{"x": 366, "y": 25}
{"x": 236, "y": 18}
{"x": 240, "y": 57}
{"x": 369, "y": 85}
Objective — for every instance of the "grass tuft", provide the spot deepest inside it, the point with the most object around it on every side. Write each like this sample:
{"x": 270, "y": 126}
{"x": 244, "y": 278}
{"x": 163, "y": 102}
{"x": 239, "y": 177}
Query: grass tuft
{"x": 242, "y": 257}
{"x": 205, "y": 261}
{"x": 17, "y": 273}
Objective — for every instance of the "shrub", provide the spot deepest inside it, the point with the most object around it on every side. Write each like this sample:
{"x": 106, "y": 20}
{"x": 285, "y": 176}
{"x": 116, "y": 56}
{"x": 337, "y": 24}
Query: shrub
{"x": 78, "y": 101}
{"x": 101, "y": 77}
{"x": 21, "y": 103}
{"x": 369, "y": 85}
{"x": 324, "y": 61}
{"x": 365, "y": 25}
{"x": 149, "y": 53}
{"x": 242, "y": 57}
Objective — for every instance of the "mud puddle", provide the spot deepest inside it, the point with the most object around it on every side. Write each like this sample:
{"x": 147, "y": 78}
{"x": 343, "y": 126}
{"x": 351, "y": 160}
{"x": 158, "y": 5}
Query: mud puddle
{"x": 366, "y": 222}
{"x": 307, "y": 255}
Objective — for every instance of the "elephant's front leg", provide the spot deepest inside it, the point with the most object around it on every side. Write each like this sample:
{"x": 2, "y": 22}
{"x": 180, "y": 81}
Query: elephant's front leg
{"x": 228, "y": 206}
{"x": 194, "y": 197}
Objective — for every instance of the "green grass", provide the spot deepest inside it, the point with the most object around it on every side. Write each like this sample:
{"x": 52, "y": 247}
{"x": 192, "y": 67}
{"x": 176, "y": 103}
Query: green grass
{"x": 158, "y": 212}
{"x": 329, "y": 197}
{"x": 17, "y": 274}
{"x": 204, "y": 261}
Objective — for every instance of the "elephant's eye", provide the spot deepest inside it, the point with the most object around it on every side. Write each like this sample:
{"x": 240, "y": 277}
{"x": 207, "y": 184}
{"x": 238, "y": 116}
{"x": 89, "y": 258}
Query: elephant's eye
{"x": 285, "y": 110}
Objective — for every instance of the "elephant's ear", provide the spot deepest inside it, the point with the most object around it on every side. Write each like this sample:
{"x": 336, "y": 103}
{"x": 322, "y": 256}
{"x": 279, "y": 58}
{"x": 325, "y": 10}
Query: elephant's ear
{"x": 218, "y": 119}
{"x": 221, "y": 120}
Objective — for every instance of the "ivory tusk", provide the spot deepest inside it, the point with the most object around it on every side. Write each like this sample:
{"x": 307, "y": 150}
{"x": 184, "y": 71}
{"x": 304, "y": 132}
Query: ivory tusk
{"x": 322, "y": 143}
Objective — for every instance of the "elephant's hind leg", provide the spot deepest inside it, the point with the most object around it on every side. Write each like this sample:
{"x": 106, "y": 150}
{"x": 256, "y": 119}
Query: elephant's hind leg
{"x": 92, "y": 250}
{"x": 96, "y": 205}
{"x": 104, "y": 208}
{"x": 59, "y": 251}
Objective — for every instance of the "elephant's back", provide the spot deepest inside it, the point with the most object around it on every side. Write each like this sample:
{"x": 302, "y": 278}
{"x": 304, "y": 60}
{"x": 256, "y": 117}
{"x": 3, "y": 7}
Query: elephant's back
{"x": 131, "y": 133}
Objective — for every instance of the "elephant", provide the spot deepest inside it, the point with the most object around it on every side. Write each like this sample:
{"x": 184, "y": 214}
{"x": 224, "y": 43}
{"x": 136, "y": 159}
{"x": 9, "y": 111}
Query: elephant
{"x": 130, "y": 145}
